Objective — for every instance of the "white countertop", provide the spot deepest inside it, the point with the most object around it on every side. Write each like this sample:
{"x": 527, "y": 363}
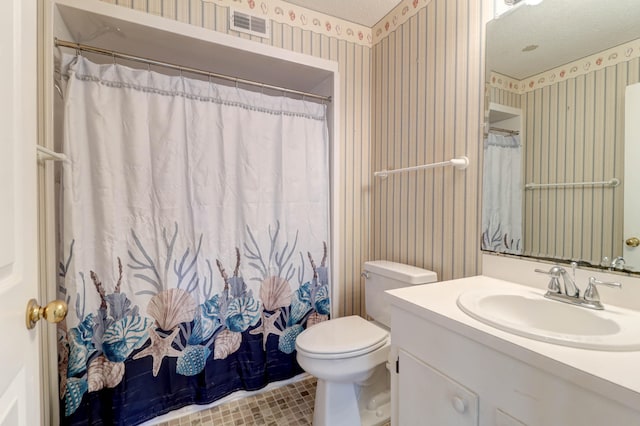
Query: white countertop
{"x": 615, "y": 375}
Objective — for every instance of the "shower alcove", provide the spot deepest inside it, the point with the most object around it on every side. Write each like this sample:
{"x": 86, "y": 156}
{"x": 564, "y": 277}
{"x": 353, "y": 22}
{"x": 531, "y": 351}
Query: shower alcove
{"x": 140, "y": 34}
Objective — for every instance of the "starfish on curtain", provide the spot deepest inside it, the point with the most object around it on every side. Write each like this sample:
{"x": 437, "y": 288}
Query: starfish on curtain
{"x": 267, "y": 326}
{"x": 159, "y": 348}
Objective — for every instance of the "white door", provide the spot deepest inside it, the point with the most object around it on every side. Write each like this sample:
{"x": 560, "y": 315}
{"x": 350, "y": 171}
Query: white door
{"x": 19, "y": 366}
{"x": 631, "y": 181}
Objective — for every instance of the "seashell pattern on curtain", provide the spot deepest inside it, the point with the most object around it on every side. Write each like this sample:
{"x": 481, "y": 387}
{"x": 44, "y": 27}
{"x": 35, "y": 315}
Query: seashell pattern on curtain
{"x": 193, "y": 246}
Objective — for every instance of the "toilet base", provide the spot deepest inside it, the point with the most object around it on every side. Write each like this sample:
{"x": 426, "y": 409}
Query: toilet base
{"x": 335, "y": 405}
{"x": 349, "y": 404}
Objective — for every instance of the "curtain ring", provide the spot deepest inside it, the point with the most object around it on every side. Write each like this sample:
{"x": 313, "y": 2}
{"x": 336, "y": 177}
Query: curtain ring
{"x": 113, "y": 55}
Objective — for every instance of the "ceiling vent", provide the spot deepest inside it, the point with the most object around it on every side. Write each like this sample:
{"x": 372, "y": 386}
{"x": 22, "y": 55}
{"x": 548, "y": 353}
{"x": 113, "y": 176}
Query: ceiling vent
{"x": 250, "y": 24}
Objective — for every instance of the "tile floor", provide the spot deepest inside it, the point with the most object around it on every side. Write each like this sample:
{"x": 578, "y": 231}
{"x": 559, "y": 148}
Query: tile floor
{"x": 289, "y": 405}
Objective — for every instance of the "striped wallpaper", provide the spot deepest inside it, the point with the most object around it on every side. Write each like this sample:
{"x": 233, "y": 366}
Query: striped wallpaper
{"x": 428, "y": 100}
{"x": 574, "y": 131}
{"x": 414, "y": 97}
{"x": 355, "y": 84}
{"x": 504, "y": 97}
{"x": 578, "y": 126}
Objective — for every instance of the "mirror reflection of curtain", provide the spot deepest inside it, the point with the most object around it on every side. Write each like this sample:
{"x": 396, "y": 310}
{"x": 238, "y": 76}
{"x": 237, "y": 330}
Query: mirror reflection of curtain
{"x": 502, "y": 194}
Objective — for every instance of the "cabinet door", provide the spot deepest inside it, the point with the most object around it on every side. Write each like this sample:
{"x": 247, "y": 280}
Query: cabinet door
{"x": 426, "y": 397}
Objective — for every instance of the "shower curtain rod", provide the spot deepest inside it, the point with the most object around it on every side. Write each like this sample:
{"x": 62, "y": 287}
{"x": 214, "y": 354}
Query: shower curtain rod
{"x": 500, "y": 130}
{"x": 100, "y": 51}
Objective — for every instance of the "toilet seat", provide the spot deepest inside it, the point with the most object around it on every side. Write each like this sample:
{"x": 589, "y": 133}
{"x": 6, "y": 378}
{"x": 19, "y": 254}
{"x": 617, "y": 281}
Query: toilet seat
{"x": 344, "y": 337}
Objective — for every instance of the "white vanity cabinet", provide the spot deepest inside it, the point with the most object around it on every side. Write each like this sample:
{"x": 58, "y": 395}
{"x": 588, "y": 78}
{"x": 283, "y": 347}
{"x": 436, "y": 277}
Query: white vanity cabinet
{"x": 428, "y": 397}
{"x": 452, "y": 373}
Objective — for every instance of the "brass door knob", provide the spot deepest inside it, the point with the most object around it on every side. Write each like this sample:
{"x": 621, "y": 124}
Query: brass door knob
{"x": 632, "y": 242}
{"x": 54, "y": 312}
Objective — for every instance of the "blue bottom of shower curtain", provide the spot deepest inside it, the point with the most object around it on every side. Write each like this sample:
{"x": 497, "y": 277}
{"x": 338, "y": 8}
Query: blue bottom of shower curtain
{"x": 141, "y": 396}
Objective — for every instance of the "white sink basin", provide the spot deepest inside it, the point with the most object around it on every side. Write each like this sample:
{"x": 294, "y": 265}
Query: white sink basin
{"x": 527, "y": 313}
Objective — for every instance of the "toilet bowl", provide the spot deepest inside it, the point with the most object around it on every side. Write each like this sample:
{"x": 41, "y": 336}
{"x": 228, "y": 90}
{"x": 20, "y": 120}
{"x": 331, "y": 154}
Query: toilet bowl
{"x": 344, "y": 354}
{"x": 349, "y": 355}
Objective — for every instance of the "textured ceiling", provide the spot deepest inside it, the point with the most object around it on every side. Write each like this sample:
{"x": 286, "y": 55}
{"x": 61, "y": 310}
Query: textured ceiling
{"x": 363, "y": 12}
{"x": 561, "y": 31}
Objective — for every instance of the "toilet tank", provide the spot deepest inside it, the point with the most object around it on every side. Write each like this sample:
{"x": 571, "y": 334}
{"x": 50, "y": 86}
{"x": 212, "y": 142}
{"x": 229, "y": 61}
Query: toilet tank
{"x": 382, "y": 275}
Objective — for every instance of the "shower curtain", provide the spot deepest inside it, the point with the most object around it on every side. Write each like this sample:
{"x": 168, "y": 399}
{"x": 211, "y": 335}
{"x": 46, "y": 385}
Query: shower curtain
{"x": 502, "y": 195}
{"x": 193, "y": 240}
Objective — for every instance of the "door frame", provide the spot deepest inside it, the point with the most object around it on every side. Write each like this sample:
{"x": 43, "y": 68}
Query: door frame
{"x": 47, "y": 272}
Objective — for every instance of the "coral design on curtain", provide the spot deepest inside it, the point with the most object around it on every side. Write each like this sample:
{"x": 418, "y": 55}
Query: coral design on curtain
{"x": 502, "y": 195}
{"x": 193, "y": 240}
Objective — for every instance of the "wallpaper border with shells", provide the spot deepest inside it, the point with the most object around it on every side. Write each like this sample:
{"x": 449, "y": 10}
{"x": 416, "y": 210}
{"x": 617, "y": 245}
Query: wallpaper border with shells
{"x": 398, "y": 16}
{"x": 622, "y": 53}
{"x": 307, "y": 19}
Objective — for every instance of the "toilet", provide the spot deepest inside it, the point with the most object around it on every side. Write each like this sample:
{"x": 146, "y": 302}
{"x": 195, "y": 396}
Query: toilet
{"x": 349, "y": 355}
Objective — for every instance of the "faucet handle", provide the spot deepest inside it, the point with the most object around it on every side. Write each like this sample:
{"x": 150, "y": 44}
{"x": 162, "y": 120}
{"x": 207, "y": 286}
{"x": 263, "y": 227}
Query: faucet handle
{"x": 591, "y": 293}
{"x": 555, "y": 272}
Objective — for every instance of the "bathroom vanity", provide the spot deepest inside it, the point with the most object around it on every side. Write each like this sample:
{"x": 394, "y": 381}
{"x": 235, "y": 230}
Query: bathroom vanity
{"x": 451, "y": 369}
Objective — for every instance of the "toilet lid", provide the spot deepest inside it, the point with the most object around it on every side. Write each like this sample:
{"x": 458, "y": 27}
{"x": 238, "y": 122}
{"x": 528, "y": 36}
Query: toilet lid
{"x": 347, "y": 336}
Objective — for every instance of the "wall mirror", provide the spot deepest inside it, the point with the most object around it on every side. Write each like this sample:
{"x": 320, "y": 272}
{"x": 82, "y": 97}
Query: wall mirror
{"x": 554, "y": 148}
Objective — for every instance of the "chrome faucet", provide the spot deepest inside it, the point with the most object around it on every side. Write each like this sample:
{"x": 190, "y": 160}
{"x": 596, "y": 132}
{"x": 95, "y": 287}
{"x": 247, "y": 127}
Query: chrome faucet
{"x": 570, "y": 292}
{"x": 591, "y": 296}
{"x": 617, "y": 263}
{"x": 569, "y": 289}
